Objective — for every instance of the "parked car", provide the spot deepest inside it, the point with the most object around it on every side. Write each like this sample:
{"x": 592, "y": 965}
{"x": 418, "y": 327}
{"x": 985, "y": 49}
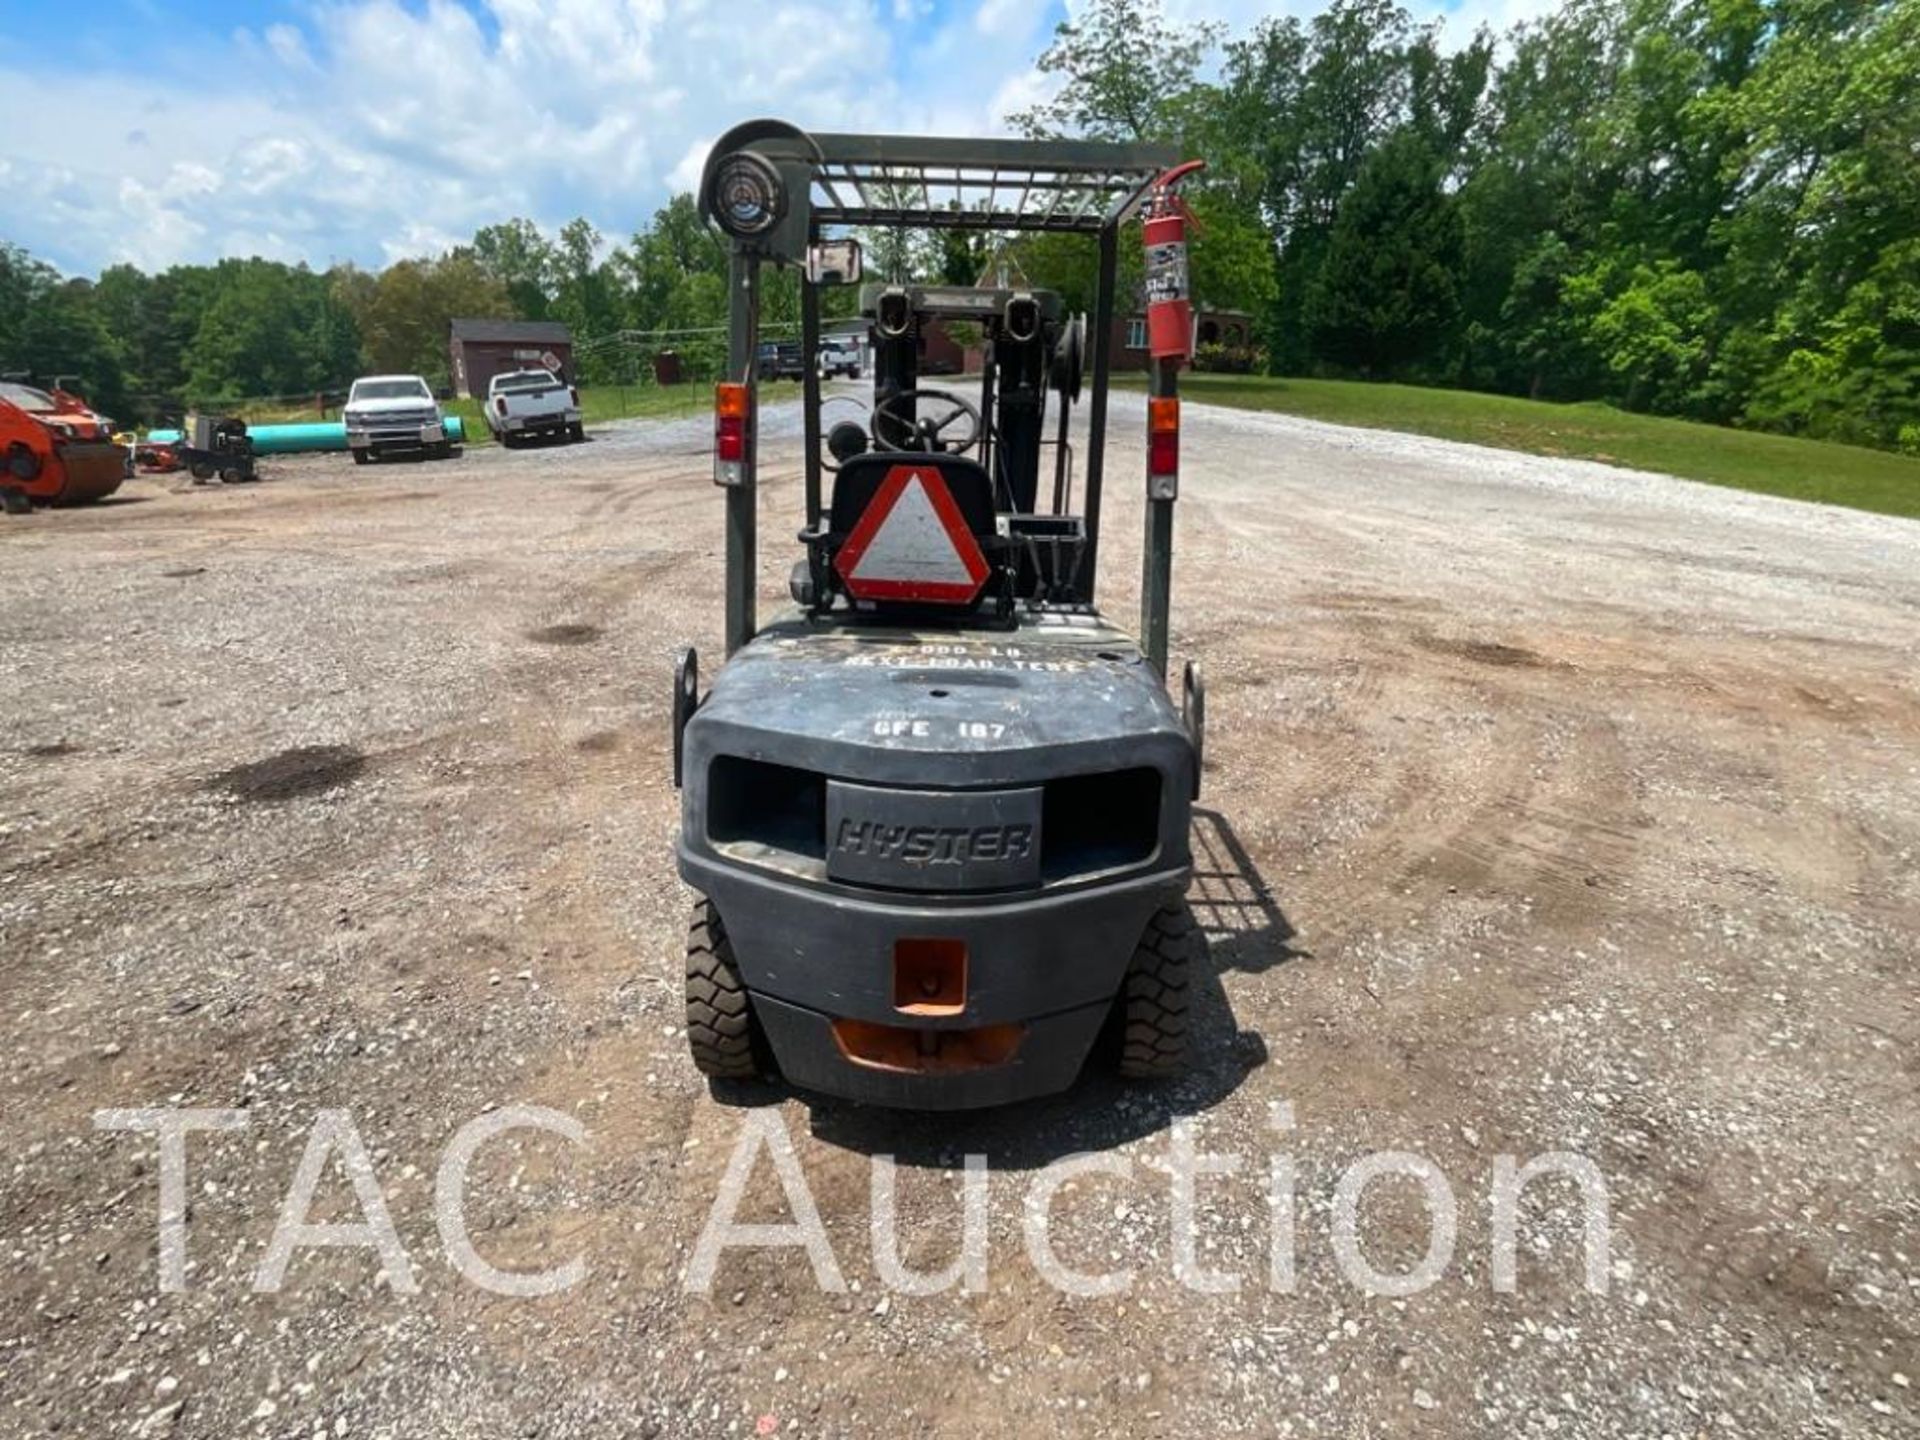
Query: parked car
{"x": 387, "y": 414}
{"x": 840, "y": 357}
{"x": 524, "y": 403}
{"x": 782, "y": 360}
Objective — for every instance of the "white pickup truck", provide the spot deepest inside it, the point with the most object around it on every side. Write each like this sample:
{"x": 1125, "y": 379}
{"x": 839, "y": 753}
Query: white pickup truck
{"x": 524, "y": 403}
{"x": 385, "y": 413}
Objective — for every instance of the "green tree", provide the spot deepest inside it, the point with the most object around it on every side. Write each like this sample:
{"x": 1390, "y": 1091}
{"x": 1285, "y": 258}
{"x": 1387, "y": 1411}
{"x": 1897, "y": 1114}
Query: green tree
{"x": 1231, "y": 254}
{"x": 963, "y": 255}
{"x": 523, "y": 261}
{"x": 61, "y": 336}
{"x": 405, "y": 314}
{"x": 23, "y": 282}
{"x": 1126, "y": 70}
{"x": 657, "y": 263}
{"x": 1649, "y": 329}
{"x": 1859, "y": 377}
{"x": 269, "y": 330}
{"x": 1385, "y": 300}
{"x": 1540, "y": 337}
{"x": 1301, "y": 106}
{"x": 586, "y": 297}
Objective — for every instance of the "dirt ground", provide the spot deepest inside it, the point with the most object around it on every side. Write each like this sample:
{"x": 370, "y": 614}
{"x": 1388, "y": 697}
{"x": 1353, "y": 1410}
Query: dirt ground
{"x": 1548, "y": 808}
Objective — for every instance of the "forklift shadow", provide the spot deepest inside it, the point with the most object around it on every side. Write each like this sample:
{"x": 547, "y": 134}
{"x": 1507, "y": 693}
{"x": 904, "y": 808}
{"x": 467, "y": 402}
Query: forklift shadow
{"x": 1242, "y": 928}
{"x": 1232, "y": 903}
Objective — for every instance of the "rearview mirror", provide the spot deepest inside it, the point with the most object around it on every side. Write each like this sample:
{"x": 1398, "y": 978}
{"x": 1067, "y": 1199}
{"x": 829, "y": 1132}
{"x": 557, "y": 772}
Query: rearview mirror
{"x": 834, "y": 262}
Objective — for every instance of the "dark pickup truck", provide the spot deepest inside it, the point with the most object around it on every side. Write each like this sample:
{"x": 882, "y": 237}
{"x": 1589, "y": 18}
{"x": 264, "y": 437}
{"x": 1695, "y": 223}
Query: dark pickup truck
{"x": 782, "y": 360}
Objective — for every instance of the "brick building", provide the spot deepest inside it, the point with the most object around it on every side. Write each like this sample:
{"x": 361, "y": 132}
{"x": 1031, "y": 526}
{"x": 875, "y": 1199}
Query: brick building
{"x": 1230, "y": 328}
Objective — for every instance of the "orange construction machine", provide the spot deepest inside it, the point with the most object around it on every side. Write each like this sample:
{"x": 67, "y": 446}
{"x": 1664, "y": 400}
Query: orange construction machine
{"x": 54, "y": 450}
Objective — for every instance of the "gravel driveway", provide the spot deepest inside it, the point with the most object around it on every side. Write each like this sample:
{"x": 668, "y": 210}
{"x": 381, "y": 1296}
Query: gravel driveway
{"x": 1549, "y": 808}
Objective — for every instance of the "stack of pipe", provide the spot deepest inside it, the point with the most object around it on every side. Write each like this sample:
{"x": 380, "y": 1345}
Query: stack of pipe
{"x": 296, "y": 439}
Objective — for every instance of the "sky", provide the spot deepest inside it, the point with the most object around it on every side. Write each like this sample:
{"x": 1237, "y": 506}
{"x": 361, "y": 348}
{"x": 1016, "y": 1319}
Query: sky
{"x": 168, "y": 131}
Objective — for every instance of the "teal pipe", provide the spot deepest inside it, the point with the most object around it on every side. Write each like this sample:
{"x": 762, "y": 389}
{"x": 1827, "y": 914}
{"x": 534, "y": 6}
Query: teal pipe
{"x": 292, "y": 439}
{"x": 299, "y": 439}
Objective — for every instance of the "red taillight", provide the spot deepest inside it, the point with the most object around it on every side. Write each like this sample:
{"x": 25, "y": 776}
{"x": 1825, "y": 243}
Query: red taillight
{"x": 574, "y": 395}
{"x": 500, "y": 404}
{"x": 1163, "y": 436}
{"x": 730, "y": 423}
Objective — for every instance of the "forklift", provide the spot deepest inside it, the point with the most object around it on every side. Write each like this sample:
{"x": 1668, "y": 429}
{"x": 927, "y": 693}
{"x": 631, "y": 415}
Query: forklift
{"x": 936, "y": 814}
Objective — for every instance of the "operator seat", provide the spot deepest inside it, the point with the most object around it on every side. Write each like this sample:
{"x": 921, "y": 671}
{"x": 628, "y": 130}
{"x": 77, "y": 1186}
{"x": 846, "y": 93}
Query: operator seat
{"x": 859, "y": 481}
{"x": 861, "y": 477}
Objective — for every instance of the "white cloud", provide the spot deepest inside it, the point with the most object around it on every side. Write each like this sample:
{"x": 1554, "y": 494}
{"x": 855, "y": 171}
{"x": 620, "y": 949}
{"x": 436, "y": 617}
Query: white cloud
{"x": 384, "y": 130}
{"x": 288, "y": 46}
{"x": 1459, "y": 25}
{"x": 387, "y": 129}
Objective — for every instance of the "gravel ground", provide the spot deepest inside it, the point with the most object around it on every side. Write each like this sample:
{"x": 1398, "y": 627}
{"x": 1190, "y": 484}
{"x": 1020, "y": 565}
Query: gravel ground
{"x": 1550, "y": 808}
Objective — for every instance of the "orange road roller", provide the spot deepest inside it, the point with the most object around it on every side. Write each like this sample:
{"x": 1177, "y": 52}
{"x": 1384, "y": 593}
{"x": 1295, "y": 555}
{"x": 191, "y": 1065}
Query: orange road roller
{"x": 54, "y": 450}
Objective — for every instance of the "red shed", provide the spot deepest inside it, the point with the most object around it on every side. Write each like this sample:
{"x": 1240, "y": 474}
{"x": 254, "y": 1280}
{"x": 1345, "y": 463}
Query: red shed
{"x": 482, "y": 349}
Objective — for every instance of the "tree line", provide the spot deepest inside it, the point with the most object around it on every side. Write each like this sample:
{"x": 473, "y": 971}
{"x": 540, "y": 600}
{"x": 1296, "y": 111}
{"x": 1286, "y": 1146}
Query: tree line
{"x": 1705, "y": 208}
{"x": 142, "y": 345}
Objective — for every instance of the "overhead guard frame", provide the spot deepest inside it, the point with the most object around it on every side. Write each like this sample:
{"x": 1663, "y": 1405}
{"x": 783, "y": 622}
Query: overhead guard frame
{"x": 1078, "y": 187}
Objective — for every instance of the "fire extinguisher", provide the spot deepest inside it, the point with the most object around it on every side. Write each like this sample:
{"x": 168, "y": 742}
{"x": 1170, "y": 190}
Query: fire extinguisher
{"x": 1169, "y": 303}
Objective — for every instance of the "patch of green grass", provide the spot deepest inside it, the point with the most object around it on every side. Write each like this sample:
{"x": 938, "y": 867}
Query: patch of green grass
{"x": 1744, "y": 459}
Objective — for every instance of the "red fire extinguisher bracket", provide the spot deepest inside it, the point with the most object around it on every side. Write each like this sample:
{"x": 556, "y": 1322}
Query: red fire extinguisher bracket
{"x": 1168, "y": 286}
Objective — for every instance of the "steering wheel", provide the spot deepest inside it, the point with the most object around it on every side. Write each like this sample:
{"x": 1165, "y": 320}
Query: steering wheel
{"x": 927, "y": 435}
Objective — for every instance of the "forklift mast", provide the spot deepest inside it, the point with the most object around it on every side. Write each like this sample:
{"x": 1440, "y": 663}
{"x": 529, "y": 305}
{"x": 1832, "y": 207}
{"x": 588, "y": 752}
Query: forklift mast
{"x": 1030, "y": 347}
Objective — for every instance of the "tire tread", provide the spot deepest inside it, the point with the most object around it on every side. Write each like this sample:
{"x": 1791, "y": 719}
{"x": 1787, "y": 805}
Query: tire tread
{"x": 1154, "y": 999}
{"x": 721, "y": 1032}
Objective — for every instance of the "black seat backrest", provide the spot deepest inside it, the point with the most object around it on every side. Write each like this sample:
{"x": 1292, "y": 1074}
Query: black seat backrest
{"x": 861, "y": 476}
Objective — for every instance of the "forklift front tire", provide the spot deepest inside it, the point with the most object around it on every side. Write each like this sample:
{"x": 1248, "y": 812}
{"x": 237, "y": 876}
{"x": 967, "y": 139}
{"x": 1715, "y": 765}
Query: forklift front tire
{"x": 14, "y": 502}
{"x": 1154, "y": 997}
{"x": 360, "y": 457}
{"x": 722, "y": 1032}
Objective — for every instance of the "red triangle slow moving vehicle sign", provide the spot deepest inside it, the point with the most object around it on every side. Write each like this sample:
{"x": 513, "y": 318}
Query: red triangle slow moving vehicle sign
{"x": 912, "y": 543}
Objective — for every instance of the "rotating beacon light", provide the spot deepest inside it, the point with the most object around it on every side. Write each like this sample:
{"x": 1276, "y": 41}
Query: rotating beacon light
{"x": 748, "y": 199}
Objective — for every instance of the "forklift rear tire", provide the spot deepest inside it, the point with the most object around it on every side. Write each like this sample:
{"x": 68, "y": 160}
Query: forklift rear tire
{"x": 1153, "y": 998}
{"x": 722, "y": 1032}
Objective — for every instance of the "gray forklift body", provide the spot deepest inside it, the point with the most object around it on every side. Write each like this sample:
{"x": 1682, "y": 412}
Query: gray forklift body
{"x": 1024, "y": 793}
{"x": 1002, "y": 784}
